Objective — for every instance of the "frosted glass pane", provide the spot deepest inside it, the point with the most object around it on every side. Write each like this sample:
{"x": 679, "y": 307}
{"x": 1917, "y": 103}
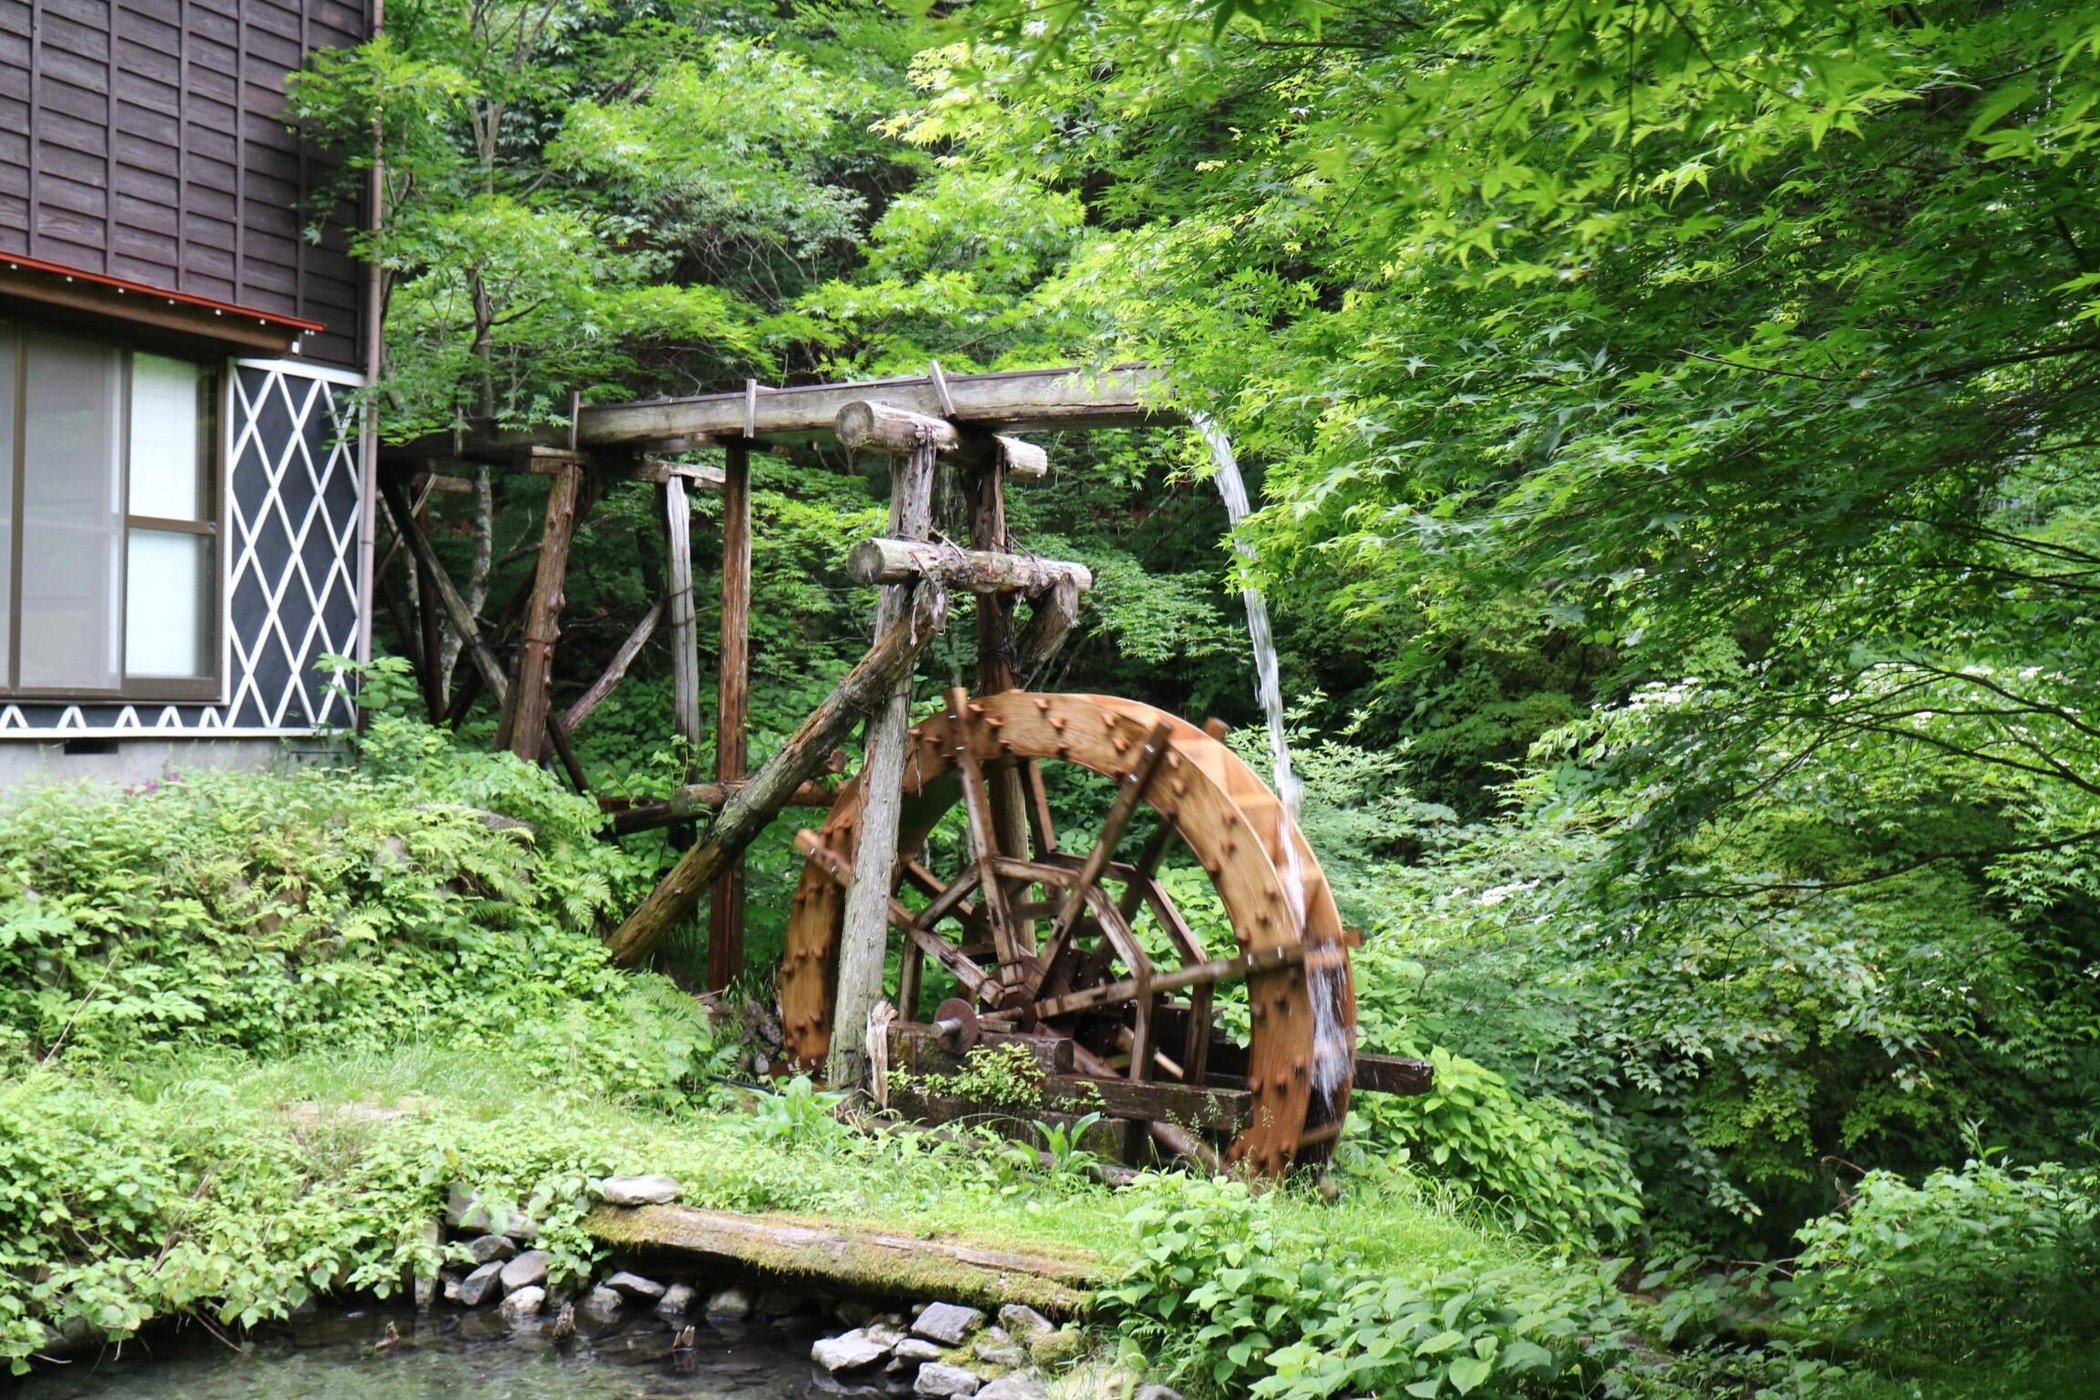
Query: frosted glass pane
{"x": 72, "y": 520}
{"x": 165, "y": 480}
{"x": 167, "y": 601}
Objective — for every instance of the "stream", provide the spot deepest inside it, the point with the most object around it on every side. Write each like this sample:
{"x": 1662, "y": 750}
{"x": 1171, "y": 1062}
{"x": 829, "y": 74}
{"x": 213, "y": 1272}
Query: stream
{"x": 446, "y": 1355}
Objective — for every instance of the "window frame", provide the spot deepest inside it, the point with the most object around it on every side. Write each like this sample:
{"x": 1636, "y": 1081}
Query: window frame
{"x": 214, "y": 389}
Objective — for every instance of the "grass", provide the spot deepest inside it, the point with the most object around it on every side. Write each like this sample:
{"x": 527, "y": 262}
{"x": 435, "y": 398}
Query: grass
{"x": 496, "y": 1121}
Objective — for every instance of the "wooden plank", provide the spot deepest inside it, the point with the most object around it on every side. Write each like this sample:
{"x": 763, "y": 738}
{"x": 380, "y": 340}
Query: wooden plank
{"x": 698, "y": 799}
{"x": 982, "y": 569}
{"x": 873, "y": 1261}
{"x": 918, "y": 1048}
{"x": 725, "y": 919}
{"x": 1192, "y": 1105}
{"x": 1391, "y": 1074}
{"x": 616, "y": 669}
{"x": 865, "y": 688}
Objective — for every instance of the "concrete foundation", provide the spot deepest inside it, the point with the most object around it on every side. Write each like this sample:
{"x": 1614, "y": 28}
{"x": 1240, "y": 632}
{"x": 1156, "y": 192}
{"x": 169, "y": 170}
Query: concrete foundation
{"x": 107, "y": 759}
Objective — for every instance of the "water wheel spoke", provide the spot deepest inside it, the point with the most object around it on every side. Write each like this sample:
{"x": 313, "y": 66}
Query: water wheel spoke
{"x": 950, "y": 901}
{"x": 1129, "y": 793}
{"x": 1143, "y": 873}
{"x": 972, "y": 977}
{"x": 1015, "y": 964}
{"x": 1041, "y": 828}
{"x": 1174, "y": 979}
{"x": 929, "y": 884}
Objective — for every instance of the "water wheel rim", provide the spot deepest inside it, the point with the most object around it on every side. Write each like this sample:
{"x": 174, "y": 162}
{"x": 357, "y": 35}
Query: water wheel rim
{"x": 1302, "y": 1014}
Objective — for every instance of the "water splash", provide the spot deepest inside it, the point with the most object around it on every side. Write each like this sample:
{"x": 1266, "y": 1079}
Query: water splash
{"x": 1331, "y": 1040}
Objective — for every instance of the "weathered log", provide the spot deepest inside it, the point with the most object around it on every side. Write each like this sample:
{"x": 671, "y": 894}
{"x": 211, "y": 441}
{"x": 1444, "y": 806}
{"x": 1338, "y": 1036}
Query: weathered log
{"x": 1050, "y": 622}
{"x": 864, "y": 937}
{"x": 1021, "y": 458}
{"x": 699, "y": 799}
{"x": 881, "y": 560}
{"x": 456, "y": 609}
{"x": 866, "y": 423}
{"x": 866, "y": 687}
{"x": 875, "y": 1261}
{"x": 566, "y": 505}
{"x": 725, "y": 911}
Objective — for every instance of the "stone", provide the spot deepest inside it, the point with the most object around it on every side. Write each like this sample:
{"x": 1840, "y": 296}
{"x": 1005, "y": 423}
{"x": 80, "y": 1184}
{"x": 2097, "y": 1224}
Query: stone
{"x": 729, "y": 1305}
{"x": 1014, "y": 1388}
{"x": 482, "y": 1248}
{"x": 677, "y": 1301}
{"x": 849, "y": 1351}
{"x": 1023, "y": 1321}
{"x": 482, "y": 1285}
{"x": 638, "y": 1190}
{"x": 916, "y": 1350}
{"x": 1004, "y": 1355}
{"x": 1066, "y": 1344}
{"x": 946, "y": 1323}
{"x": 1158, "y": 1392}
{"x": 883, "y": 1335}
{"x": 781, "y": 1302}
{"x": 642, "y": 1290}
{"x": 852, "y": 1312}
{"x": 523, "y": 1304}
{"x": 466, "y": 1212}
{"x": 527, "y": 1270}
{"x": 939, "y": 1379}
{"x": 600, "y": 1307}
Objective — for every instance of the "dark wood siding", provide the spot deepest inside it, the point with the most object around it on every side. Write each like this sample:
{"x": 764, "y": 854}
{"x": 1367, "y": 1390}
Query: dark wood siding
{"x": 145, "y": 139}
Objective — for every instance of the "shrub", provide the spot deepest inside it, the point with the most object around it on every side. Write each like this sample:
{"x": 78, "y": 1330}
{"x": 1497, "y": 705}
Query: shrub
{"x": 1972, "y": 1259}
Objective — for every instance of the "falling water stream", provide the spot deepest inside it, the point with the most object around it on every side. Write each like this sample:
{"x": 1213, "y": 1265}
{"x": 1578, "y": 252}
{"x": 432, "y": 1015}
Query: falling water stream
{"x": 1331, "y": 1040}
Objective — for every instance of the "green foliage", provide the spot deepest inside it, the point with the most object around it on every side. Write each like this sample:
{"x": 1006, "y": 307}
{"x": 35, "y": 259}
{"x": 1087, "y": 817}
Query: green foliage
{"x": 797, "y": 1115}
{"x": 1007, "y": 1075}
{"x": 1261, "y": 1308}
{"x": 1970, "y": 1261}
{"x": 1530, "y": 1155}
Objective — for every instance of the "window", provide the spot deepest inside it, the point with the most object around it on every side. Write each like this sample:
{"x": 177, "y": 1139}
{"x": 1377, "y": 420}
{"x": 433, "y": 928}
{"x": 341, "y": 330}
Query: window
{"x": 109, "y": 533}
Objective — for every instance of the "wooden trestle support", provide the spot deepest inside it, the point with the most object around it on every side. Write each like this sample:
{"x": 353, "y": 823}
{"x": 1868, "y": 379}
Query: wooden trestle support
{"x": 1079, "y": 957}
{"x": 1050, "y": 944}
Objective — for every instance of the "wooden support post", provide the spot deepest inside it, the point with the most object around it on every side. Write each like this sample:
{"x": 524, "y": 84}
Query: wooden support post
{"x": 685, "y": 653}
{"x": 527, "y": 733}
{"x": 865, "y": 936}
{"x": 456, "y": 610}
{"x": 725, "y": 914}
{"x": 866, "y": 688}
{"x": 430, "y": 619}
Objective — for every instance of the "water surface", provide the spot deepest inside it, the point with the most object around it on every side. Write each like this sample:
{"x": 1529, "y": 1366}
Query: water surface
{"x": 443, "y": 1356}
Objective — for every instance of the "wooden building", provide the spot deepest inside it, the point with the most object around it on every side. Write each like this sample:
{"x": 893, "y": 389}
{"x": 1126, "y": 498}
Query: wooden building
{"x": 185, "y": 518}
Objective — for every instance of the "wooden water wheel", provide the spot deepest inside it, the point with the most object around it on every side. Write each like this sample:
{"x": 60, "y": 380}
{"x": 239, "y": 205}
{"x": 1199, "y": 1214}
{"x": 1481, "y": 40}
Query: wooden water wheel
{"x": 1049, "y": 945}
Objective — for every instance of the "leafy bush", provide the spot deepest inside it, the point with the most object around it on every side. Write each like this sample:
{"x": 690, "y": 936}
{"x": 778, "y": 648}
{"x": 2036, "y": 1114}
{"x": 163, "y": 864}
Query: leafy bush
{"x": 1255, "y": 1305}
{"x": 1532, "y": 1157}
{"x": 1971, "y": 1260}
{"x": 430, "y": 888}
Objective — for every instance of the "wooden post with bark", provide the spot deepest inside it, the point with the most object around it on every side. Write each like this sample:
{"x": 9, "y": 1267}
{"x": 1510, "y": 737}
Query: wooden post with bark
{"x": 527, "y": 730}
{"x": 725, "y": 915}
{"x": 914, "y": 442}
{"x": 866, "y": 688}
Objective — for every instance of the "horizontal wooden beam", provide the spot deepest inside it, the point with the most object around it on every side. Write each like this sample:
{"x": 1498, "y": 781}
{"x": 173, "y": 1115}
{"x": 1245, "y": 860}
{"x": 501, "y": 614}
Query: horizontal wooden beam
{"x": 1391, "y": 1074}
{"x": 699, "y": 799}
{"x": 1012, "y": 401}
{"x": 972, "y": 570}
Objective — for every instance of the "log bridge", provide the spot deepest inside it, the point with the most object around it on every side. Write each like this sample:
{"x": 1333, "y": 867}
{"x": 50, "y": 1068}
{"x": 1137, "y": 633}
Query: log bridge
{"x": 1058, "y": 951}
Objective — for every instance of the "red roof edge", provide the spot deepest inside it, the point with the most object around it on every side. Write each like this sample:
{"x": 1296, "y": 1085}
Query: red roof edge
{"x": 19, "y": 262}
